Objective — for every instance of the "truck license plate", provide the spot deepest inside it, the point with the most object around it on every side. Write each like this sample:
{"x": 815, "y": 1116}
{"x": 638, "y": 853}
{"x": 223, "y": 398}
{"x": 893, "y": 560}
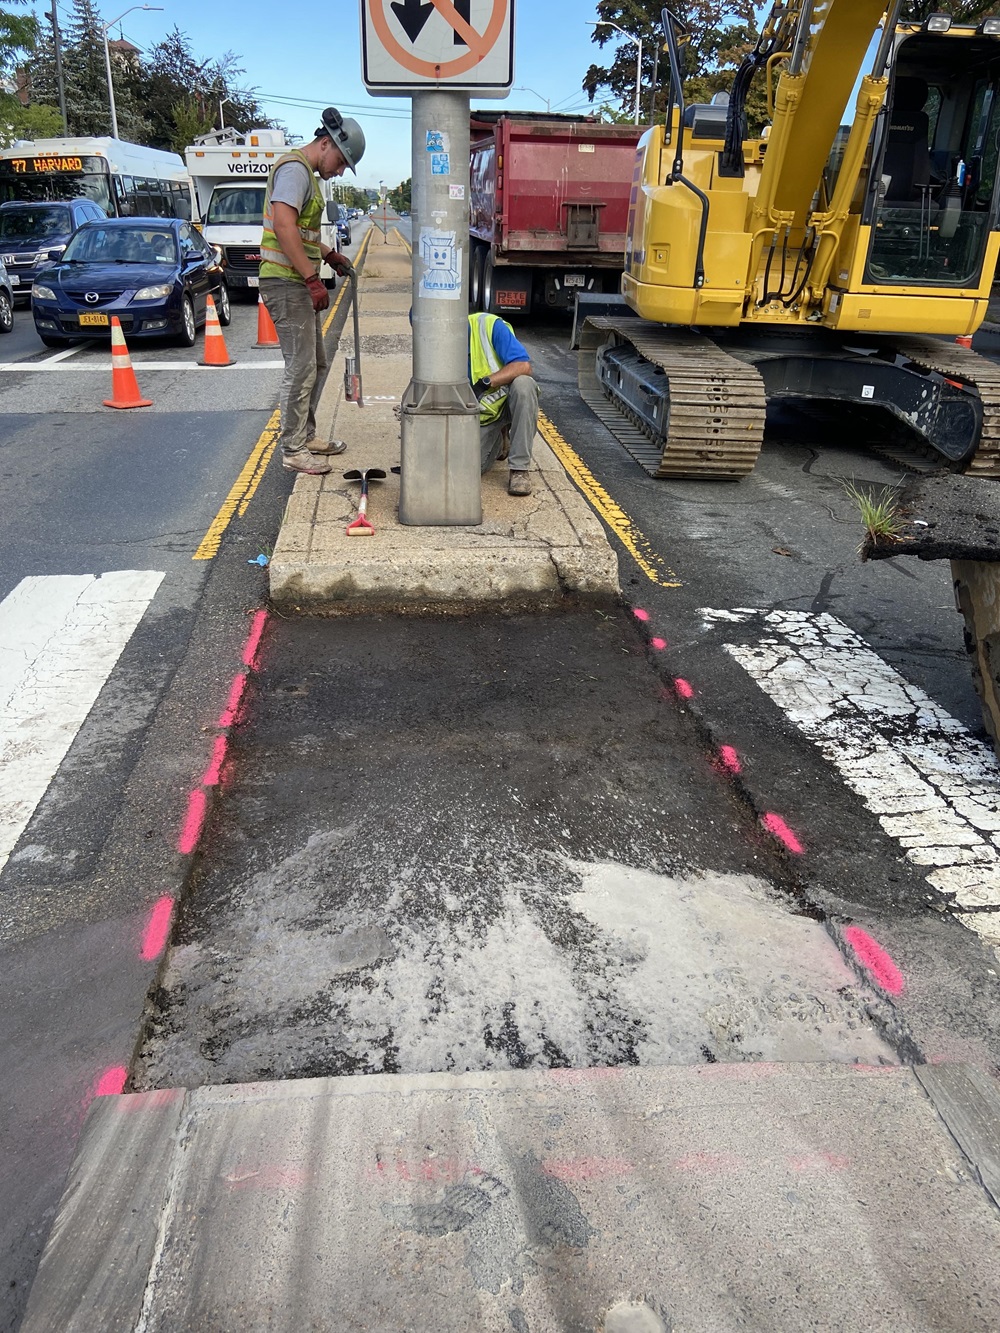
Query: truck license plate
{"x": 254, "y": 281}
{"x": 573, "y": 280}
{"x": 93, "y": 319}
{"x": 512, "y": 298}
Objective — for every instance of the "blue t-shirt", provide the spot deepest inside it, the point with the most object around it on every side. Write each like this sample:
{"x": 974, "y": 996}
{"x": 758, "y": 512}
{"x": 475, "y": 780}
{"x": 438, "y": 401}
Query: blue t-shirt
{"x": 506, "y": 345}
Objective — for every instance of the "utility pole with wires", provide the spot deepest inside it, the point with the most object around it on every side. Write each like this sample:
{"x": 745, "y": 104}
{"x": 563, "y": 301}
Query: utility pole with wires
{"x": 53, "y": 16}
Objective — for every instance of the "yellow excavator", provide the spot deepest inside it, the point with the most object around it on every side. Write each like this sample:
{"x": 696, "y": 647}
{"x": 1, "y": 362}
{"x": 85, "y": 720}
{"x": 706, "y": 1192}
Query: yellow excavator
{"x": 820, "y": 264}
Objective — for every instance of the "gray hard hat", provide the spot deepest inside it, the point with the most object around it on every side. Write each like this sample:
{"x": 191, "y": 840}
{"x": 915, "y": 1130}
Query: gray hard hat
{"x": 345, "y": 134}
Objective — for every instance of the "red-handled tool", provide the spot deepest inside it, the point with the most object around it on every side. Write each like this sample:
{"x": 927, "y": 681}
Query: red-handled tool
{"x": 361, "y": 527}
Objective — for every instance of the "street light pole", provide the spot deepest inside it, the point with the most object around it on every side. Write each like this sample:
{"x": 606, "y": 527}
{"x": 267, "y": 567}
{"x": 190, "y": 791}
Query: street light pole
{"x": 53, "y": 15}
{"x": 107, "y": 63}
{"x": 604, "y": 23}
{"x": 548, "y": 105}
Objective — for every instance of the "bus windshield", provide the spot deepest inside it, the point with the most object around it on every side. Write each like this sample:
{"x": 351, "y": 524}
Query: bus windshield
{"x": 38, "y": 179}
{"x": 242, "y": 204}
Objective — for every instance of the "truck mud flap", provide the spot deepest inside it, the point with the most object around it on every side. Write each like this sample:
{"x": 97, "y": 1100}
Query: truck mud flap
{"x": 678, "y": 404}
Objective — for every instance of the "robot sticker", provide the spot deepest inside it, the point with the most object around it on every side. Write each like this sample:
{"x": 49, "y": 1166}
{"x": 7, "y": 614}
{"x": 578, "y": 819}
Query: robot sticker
{"x": 440, "y": 164}
{"x": 442, "y": 277}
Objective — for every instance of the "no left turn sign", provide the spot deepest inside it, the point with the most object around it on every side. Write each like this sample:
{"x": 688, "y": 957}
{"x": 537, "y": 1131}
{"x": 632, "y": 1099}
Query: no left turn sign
{"x": 407, "y": 45}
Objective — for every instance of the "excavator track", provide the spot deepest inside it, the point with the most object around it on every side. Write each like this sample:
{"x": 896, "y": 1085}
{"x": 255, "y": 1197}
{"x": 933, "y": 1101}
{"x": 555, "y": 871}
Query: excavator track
{"x": 963, "y": 363}
{"x": 717, "y": 403}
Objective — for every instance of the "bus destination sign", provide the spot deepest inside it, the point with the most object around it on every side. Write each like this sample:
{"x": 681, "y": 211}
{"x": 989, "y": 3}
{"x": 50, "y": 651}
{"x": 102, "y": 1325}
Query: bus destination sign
{"x": 22, "y": 165}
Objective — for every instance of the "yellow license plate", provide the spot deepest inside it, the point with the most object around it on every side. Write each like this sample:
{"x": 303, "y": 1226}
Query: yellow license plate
{"x": 90, "y": 319}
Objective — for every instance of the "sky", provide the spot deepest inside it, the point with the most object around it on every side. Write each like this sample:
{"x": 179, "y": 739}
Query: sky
{"x": 301, "y": 57}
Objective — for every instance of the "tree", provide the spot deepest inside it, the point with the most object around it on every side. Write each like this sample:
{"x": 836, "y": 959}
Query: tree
{"x": 720, "y": 32}
{"x": 400, "y": 197}
{"x": 18, "y": 34}
{"x": 28, "y": 122}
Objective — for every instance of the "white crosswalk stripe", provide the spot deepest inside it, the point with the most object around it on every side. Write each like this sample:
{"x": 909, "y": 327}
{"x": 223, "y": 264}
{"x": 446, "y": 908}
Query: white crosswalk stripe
{"x": 60, "y": 637}
{"x": 934, "y": 787}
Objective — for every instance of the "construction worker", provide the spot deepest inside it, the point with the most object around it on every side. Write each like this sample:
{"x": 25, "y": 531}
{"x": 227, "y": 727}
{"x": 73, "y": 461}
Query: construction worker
{"x": 291, "y": 253}
{"x": 500, "y": 373}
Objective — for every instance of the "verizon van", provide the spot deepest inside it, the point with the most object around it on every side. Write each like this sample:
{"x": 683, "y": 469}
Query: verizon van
{"x": 229, "y": 171}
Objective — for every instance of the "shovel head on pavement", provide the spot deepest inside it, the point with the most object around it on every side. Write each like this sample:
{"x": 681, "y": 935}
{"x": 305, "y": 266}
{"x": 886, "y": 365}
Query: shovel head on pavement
{"x": 361, "y": 526}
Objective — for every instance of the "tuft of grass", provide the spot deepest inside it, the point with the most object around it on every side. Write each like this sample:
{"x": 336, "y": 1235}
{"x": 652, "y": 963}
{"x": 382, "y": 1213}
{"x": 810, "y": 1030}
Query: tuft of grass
{"x": 880, "y": 514}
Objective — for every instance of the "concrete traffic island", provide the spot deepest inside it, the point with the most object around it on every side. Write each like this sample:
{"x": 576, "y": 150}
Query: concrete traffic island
{"x": 543, "y": 550}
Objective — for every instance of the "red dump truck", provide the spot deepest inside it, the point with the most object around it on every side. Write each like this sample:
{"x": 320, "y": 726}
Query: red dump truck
{"x": 548, "y": 209}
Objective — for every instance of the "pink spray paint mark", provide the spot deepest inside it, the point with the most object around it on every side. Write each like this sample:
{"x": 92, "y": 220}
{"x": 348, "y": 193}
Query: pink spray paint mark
{"x": 212, "y": 774}
{"x": 684, "y": 688}
{"x": 193, "y": 822}
{"x": 874, "y": 959}
{"x": 640, "y": 614}
{"x": 586, "y": 1168}
{"x": 233, "y": 702}
{"x": 154, "y": 937}
{"x": 777, "y": 827}
{"x": 658, "y": 644}
{"x": 253, "y": 640}
{"x": 729, "y": 760}
{"x": 111, "y": 1082}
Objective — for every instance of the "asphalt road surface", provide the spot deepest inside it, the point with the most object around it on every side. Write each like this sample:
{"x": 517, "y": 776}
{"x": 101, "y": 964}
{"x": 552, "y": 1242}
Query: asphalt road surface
{"x": 749, "y": 816}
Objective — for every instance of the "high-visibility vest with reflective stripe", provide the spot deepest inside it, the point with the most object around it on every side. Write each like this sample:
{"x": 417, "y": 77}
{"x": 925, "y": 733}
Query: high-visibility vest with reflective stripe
{"x": 484, "y": 361}
{"x": 273, "y": 262}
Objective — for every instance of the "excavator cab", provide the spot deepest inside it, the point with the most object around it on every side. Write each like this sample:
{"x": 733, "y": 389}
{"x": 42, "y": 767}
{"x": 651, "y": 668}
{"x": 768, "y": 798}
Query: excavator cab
{"x": 932, "y": 189}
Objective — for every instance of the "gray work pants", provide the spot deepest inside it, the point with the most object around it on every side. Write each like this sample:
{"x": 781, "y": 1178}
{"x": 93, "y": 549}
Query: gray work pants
{"x": 300, "y": 333}
{"x": 520, "y": 413}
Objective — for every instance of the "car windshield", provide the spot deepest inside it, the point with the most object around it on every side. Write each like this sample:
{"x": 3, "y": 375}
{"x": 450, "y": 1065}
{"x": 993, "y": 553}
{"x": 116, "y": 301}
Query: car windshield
{"x": 123, "y": 245}
{"x": 236, "y": 204}
{"x": 34, "y": 224}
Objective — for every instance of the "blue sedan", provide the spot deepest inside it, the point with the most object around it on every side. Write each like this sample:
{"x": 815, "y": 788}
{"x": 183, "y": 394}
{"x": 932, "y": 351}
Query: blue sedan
{"x": 153, "y": 273}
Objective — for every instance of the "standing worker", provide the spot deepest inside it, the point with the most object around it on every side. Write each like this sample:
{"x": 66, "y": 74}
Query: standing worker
{"x": 291, "y": 253}
{"x": 500, "y": 372}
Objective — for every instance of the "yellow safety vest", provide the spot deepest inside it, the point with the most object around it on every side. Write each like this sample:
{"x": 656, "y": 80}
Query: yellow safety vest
{"x": 273, "y": 262}
{"x": 484, "y": 361}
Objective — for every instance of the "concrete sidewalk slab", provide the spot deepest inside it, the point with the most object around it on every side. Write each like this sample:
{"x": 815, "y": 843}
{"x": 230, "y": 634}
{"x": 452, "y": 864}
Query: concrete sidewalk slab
{"x": 527, "y": 552}
{"x": 777, "y": 1198}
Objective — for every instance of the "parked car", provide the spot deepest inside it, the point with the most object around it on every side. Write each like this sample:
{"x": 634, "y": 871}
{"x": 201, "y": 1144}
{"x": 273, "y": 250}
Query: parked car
{"x": 343, "y": 224}
{"x": 6, "y": 301}
{"x": 30, "y": 233}
{"x": 153, "y": 273}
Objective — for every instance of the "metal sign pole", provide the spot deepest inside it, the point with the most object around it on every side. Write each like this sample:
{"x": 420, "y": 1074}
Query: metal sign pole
{"x": 440, "y": 462}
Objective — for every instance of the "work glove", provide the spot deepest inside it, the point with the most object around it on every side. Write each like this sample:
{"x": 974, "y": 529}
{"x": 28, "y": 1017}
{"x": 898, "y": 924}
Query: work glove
{"x": 340, "y": 264}
{"x": 482, "y": 387}
{"x": 320, "y": 296}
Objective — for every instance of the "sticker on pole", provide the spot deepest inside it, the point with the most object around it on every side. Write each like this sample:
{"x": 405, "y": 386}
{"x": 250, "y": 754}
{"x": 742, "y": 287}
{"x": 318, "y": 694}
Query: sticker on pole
{"x": 407, "y": 45}
{"x": 442, "y": 262}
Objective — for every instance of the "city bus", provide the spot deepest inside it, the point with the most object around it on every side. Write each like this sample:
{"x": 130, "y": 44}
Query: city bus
{"x": 126, "y": 179}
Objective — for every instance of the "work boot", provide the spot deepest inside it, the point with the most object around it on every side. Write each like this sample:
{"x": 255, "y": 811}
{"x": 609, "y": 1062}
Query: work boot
{"x": 301, "y": 460}
{"x": 326, "y": 446}
{"x": 519, "y": 483}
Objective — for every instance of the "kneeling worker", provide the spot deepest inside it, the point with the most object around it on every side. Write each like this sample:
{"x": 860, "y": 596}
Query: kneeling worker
{"x": 500, "y": 372}
{"x": 291, "y": 253}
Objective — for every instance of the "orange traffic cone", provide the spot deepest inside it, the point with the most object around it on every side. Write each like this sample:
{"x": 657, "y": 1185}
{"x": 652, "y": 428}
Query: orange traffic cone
{"x": 215, "y": 345}
{"x": 124, "y": 385}
{"x": 267, "y": 334}
{"x": 965, "y": 340}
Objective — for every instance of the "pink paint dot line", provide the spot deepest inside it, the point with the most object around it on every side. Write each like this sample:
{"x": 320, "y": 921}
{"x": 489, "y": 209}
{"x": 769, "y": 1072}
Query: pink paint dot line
{"x": 231, "y": 709}
{"x": 212, "y": 774}
{"x": 253, "y": 639}
{"x": 777, "y": 827}
{"x": 640, "y": 614}
{"x": 111, "y": 1082}
{"x": 684, "y": 688}
{"x": 154, "y": 937}
{"x": 730, "y": 760}
{"x": 875, "y": 960}
{"x": 193, "y": 822}
{"x": 658, "y": 644}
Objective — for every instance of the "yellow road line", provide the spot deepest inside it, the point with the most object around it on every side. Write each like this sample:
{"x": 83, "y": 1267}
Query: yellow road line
{"x": 344, "y": 285}
{"x": 245, "y": 486}
{"x": 618, "y": 521}
{"x": 210, "y": 543}
{"x": 409, "y": 247}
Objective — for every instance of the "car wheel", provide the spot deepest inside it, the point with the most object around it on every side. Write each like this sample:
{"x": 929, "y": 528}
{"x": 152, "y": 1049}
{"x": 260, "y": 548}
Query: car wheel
{"x": 49, "y": 341}
{"x": 223, "y": 306}
{"x": 189, "y": 330}
{"x": 6, "y": 312}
